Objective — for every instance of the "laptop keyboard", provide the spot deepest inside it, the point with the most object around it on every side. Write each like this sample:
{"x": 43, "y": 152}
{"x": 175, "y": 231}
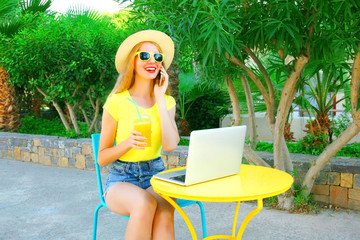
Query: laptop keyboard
{"x": 180, "y": 178}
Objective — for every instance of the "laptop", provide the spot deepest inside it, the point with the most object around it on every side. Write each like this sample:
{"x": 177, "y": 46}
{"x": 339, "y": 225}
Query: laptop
{"x": 213, "y": 153}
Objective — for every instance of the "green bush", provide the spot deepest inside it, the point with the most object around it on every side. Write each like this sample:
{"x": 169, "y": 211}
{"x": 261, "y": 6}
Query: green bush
{"x": 54, "y": 127}
{"x": 314, "y": 145}
{"x": 349, "y": 150}
{"x": 340, "y": 124}
{"x": 67, "y": 60}
{"x": 207, "y": 110}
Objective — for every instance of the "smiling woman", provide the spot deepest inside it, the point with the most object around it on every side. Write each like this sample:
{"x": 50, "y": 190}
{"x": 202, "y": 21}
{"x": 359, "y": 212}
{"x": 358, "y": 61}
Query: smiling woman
{"x": 141, "y": 60}
{"x": 62, "y": 6}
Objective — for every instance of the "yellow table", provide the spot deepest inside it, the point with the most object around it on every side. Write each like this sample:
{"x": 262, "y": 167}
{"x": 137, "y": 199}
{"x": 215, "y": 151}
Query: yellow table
{"x": 252, "y": 183}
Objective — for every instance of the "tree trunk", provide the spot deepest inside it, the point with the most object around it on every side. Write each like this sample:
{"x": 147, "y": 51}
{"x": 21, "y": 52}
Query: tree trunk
{"x": 9, "y": 111}
{"x": 59, "y": 110}
{"x": 96, "y": 116}
{"x": 85, "y": 117}
{"x": 253, "y": 77}
{"x": 36, "y": 105}
{"x": 355, "y": 83}
{"x": 184, "y": 127}
{"x": 234, "y": 101}
{"x": 73, "y": 117}
{"x": 287, "y": 96}
{"x": 253, "y": 158}
{"x": 250, "y": 155}
{"x": 271, "y": 109}
{"x": 251, "y": 113}
{"x": 282, "y": 159}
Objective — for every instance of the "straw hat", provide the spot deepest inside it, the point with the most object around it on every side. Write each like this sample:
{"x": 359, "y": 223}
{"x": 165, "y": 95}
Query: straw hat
{"x": 164, "y": 41}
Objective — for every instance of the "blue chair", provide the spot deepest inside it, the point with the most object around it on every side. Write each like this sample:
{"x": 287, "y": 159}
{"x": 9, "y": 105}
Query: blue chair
{"x": 182, "y": 203}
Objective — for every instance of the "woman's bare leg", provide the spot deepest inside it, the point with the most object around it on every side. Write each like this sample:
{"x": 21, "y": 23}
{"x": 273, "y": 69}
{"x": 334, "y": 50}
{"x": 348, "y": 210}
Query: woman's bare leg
{"x": 131, "y": 200}
{"x": 163, "y": 224}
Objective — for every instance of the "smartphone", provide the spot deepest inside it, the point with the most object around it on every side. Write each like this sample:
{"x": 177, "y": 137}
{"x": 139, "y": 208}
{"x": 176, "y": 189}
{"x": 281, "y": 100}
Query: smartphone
{"x": 161, "y": 78}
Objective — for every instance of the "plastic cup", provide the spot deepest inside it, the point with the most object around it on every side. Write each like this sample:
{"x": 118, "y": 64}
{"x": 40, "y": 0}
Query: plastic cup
{"x": 143, "y": 125}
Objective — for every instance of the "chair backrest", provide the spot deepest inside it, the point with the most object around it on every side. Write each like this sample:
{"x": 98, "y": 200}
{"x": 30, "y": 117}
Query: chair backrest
{"x": 95, "y": 144}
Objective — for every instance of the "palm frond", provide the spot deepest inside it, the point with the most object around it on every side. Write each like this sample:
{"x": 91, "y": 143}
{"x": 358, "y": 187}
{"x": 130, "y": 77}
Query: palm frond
{"x": 7, "y": 7}
{"x": 84, "y": 10}
{"x": 34, "y": 6}
{"x": 9, "y": 27}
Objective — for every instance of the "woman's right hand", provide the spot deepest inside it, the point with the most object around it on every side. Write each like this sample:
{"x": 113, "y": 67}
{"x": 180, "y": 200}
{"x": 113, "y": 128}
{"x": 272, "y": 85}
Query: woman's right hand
{"x": 136, "y": 140}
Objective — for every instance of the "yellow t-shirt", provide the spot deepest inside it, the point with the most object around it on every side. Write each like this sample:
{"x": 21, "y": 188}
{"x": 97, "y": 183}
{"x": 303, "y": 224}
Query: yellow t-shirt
{"x": 124, "y": 111}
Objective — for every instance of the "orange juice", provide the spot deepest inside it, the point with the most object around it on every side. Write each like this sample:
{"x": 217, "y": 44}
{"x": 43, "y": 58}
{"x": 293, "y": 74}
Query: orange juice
{"x": 144, "y": 127}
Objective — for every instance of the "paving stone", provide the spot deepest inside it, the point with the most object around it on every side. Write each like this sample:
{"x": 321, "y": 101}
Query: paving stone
{"x": 354, "y": 204}
{"x": 87, "y": 149}
{"x": 34, "y": 156}
{"x": 321, "y": 198}
{"x": 25, "y": 156}
{"x": 72, "y": 162}
{"x": 54, "y": 160}
{"x": 44, "y": 143}
{"x": 339, "y": 196}
{"x": 80, "y": 161}
{"x": 320, "y": 189}
{"x": 334, "y": 178}
{"x": 17, "y": 153}
{"x": 357, "y": 181}
{"x": 63, "y": 162}
{"x": 3, "y": 145}
{"x": 346, "y": 180}
{"x": 36, "y": 142}
{"x": 90, "y": 165}
{"x": 354, "y": 194}
{"x": 322, "y": 178}
{"x": 68, "y": 152}
{"x": 173, "y": 160}
{"x": 45, "y": 160}
{"x": 76, "y": 150}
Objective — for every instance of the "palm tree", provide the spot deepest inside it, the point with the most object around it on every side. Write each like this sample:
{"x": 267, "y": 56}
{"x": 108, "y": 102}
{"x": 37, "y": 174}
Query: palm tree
{"x": 322, "y": 83}
{"x": 11, "y": 13}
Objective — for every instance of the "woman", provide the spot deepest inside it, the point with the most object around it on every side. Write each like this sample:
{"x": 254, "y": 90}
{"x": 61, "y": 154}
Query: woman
{"x": 141, "y": 60}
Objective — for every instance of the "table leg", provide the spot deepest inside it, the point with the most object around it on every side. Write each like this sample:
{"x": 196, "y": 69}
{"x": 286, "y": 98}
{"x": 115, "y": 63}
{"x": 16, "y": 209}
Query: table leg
{"x": 183, "y": 215}
{"x": 248, "y": 218}
{"x": 235, "y": 218}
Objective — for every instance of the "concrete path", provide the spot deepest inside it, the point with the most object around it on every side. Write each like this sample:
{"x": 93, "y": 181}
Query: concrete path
{"x": 42, "y": 202}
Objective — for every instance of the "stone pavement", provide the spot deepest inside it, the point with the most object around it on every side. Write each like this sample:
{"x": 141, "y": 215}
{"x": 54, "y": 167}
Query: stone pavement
{"x": 43, "y": 202}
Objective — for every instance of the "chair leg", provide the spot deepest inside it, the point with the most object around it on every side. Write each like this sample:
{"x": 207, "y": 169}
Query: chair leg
{"x": 95, "y": 220}
{"x": 203, "y": 221}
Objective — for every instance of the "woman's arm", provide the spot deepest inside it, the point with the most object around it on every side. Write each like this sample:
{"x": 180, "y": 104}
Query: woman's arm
{"x": 108, "y": 153}
{"x": 169, "y": 132}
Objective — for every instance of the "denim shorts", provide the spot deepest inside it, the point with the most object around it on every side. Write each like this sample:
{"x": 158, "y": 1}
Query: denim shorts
{"x": 138, "y": 173}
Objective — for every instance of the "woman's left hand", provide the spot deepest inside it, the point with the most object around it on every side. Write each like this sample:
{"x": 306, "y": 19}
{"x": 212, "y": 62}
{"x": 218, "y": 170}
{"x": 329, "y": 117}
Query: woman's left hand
{"x": 161, "y": 84}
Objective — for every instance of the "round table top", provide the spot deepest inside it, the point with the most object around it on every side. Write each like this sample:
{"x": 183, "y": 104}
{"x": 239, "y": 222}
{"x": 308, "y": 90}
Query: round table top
{"x": 252, "y": 183}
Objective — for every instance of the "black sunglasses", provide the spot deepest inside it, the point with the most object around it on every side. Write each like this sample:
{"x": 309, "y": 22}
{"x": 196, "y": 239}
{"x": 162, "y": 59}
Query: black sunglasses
{"x": 145, "y": 56}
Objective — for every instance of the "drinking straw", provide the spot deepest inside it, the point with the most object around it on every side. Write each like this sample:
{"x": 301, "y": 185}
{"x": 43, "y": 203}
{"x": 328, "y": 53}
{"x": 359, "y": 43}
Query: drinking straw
{"x": 137, "y": 108}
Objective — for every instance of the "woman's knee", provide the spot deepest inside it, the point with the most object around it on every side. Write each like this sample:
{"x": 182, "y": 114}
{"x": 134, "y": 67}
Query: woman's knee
{"x": 146, "y": 202}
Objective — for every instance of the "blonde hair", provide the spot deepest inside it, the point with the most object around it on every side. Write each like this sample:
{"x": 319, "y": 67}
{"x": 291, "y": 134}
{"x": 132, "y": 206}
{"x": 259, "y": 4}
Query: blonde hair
{"x": 126, "y": 76}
